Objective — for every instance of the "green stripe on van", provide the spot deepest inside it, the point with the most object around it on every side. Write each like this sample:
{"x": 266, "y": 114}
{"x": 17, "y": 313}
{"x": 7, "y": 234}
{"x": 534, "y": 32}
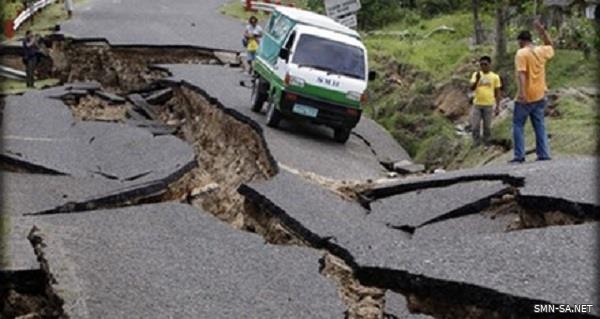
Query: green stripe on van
{"x": 311, "y": 91}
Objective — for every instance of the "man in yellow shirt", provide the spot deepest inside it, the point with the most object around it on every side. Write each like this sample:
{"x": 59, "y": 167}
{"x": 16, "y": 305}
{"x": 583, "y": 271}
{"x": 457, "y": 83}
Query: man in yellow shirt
{"x": 486, "y": 85}
{"x": 530, "y": 62}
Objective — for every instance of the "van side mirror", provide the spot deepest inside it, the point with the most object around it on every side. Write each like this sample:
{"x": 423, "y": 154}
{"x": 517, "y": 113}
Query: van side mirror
{"x": 372, "y": 75}
{"x": 284, "y": 53}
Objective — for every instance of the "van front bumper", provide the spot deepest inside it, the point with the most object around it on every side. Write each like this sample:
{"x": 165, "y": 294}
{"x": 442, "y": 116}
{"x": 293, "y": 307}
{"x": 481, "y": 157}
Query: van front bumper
{"x": 332, "y": 115}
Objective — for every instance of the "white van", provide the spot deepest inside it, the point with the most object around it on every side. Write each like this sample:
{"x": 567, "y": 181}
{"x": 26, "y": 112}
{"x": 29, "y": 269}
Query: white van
{"x": 309, "y": 67}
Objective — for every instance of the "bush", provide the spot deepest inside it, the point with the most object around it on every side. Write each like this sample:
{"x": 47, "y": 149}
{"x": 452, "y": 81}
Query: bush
{"x": 9, "y": 9}
{"x": 377, "y": 13}
{"x": 430, "y": 8}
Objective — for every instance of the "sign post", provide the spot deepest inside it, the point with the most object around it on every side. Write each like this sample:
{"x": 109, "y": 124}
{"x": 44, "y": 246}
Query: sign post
{"x": 343, "y": 11}
{"x": 350, "y": 20}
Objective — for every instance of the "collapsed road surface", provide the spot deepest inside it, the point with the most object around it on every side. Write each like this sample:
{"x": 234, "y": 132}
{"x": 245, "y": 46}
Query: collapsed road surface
{"x": 111, "y": 189}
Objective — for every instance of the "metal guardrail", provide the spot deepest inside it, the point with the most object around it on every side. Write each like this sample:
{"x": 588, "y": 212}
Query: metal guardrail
{"x": 26, "y": 14}
{"x": 258, "y": 5}
{"x": 11, "y": 73}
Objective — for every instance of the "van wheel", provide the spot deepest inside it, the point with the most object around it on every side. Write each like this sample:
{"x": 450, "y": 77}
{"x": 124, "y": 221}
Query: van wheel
{"x": 273, "y": 115}
{"x": 259, "y": 95}
{"x": 341, "y": 135}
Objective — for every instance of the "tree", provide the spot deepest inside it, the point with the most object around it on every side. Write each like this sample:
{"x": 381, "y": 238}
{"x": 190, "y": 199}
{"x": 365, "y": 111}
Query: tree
{"x": 477, "y": 23}
{"x": 501, "y": 21}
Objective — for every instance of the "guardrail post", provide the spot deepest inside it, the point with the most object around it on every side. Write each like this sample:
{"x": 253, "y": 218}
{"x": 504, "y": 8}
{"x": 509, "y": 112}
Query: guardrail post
{"x": 9, "y": 32}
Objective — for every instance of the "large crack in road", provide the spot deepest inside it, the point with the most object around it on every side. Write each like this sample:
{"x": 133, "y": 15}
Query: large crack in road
{"x": 229, "y": 150}
{"x": 233, "y": 175}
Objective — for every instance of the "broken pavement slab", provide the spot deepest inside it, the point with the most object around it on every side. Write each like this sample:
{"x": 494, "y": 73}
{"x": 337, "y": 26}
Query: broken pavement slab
{"x": 511, "y": 270}
{"x": 25, "y": 194}
{"x": 414, "y": 209}
{"x": 110, "y": 97}
{"x": 85, "y": 86}
{"x": 407, "y": 167}
{"x": 229, "y": 58}
{"x": 160, "y": 96}
{"x": 171, "y": 260}
{"x": 507, "y": 272}
{"x": 322, "y": 218}
{"x": 153, "y": 127}
{"x": 42, "y": 132}
{"x": 472, "y": 224}
{"x": 144, "y": 106}
{"x": 568, "y": 182}
{"x": 17, "y": 250}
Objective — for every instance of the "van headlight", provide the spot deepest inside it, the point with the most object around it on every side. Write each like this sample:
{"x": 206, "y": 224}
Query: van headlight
{"x": 294, "y": 80}
{"x": 352, "y": 95}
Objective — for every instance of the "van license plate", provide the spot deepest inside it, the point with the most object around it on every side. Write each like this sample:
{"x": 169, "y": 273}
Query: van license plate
{"x": 305, "y": 110}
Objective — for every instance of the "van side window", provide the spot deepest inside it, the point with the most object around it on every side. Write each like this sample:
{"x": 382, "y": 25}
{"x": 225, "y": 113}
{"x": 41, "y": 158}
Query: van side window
{"x": 290, "y": 41}
{"x": 270, "y": 23}
{"x": 281, "y": 27}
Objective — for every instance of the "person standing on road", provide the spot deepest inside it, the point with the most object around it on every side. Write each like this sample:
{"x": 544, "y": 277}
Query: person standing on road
{"x": 486, "y": 85}
{"x": 69, "y": 8}
{"x": 251, "y": 40}
{"x": 30, "y": 57}
{"x": 530, "y": 64}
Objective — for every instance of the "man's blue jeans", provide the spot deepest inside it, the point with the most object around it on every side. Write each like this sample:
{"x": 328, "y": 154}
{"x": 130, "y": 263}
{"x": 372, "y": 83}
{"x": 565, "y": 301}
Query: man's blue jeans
{"x": 535, "y": 110}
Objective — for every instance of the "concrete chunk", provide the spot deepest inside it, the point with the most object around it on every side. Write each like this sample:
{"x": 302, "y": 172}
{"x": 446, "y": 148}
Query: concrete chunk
{"x": 407, "y": 167}
{"x": 419, "y": 207}
{"x": 41, "y": 132}
{"x": 144, "y": 107}
{"x": 112, "y": 98}
{"x": 160, "y": 96}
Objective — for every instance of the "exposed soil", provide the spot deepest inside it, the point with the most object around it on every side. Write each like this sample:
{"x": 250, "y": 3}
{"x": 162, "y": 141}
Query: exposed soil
{"x": 362, "y": 301}
{"x": 29, "y": 293}
{"x": 229, "y": 153}
{"x": 118, "y": 69}
{"x": 92, "y": 108}
{"x": 526, "y": 218}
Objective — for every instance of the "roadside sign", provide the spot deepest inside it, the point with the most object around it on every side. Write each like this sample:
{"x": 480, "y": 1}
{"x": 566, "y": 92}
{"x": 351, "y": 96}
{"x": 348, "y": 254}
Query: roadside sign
{"x": 350, "y": 20}
{"x": 338, "y": 8}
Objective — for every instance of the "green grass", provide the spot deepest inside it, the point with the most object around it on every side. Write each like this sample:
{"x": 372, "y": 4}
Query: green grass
{"x": 438, "y": 54}
{"x": 570, "y": 68}
{"x": 8, "y": 86}
{"x": 574, "y": 132}
{"x": 44, "y": 20}
{"x": 424, "y": 64}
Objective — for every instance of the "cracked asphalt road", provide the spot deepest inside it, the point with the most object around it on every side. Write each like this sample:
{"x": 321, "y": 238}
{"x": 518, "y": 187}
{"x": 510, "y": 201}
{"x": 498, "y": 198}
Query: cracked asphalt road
{"x": 513, "y": 270}
{"x": 305, "y": 147}
{"x": 164, "y": 258}
{"x": 157, "y": 22}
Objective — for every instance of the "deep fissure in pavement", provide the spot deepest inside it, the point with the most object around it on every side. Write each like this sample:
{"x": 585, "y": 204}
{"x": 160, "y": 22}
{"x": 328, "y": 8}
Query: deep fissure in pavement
{"x": 119, "y": 68}
{"x": 29, "y": 293}
{"x": 361, "y": 301}
{"x": 230, "y": 151}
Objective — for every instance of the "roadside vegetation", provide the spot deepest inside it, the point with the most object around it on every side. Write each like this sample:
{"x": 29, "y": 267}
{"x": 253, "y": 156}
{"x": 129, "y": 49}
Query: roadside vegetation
{"x": 43, "y": 23}
{"x": 421, "y": 95}
{"x": 425, "y": 51}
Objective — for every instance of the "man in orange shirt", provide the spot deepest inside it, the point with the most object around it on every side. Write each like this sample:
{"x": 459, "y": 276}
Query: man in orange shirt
{"x": 530, "y": 64}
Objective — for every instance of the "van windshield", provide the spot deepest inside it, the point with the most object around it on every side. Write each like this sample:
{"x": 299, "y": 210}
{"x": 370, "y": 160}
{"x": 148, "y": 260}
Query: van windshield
{"x": 331, "y": 56}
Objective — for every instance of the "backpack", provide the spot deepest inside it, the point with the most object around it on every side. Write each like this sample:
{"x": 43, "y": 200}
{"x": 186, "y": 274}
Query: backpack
{"x": 252, "y": 45}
